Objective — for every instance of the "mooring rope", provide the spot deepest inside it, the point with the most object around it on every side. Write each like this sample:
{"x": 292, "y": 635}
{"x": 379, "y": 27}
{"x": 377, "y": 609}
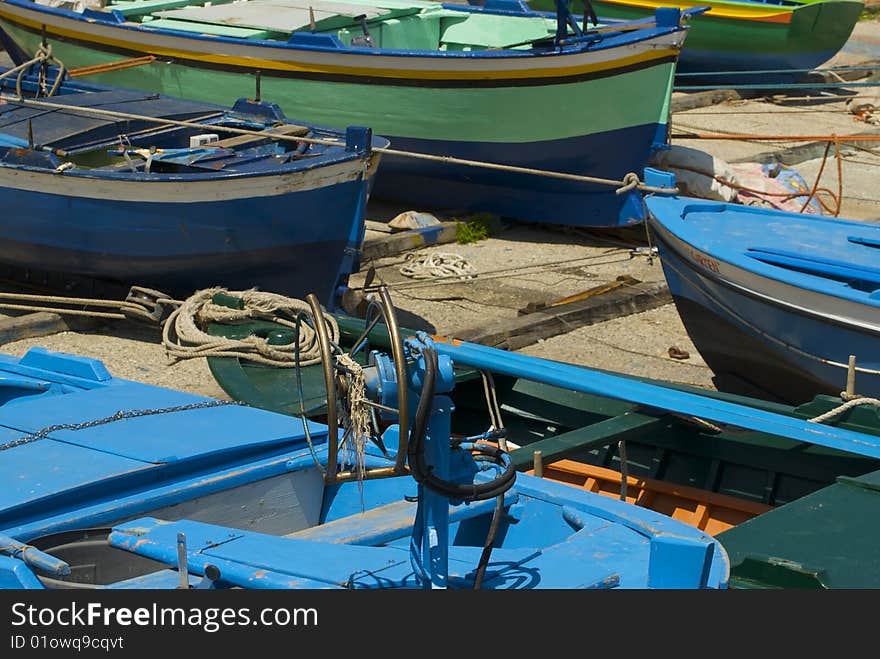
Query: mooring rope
{"x": 840, "y": 409}
{"x": 184, "y": 338}
{"x": 630, "y": 181}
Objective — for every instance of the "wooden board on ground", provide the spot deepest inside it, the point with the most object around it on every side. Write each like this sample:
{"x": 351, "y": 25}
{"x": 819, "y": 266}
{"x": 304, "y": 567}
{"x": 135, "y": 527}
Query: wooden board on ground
{"x": 32, "y": 325}
{"x": 404, "y": 241}
{"x": 512, "y": 334}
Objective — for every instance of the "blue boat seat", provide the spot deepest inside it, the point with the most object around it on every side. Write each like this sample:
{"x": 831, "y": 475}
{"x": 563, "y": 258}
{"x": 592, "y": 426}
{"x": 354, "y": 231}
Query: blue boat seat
{"x": 816, "y": 266}
{"x": 255, "y": 560}
{"x": 389, "y": 522}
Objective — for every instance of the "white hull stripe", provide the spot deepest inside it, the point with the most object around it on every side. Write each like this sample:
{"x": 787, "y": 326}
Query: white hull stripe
{"x": 780, "y": 294}
{"x": 183, "y": 190}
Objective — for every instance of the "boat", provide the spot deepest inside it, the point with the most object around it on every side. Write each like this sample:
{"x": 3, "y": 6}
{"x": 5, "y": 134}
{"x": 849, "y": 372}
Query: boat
{"x": 747, "y": 41}
{"x": 780, "y": 305}
{"x": 127, "y": 187}
{"x": 583, "y": 432}
{"x": 154, "y": 488}
{"x": 451, "y": 83}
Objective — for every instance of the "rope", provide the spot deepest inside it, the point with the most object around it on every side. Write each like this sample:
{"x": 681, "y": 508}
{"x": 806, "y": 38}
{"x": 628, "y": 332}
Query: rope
{"x": 437, "y": 264}
{"x": 43, "y": 55}
{"x": 630, "y": 181}
{"x": 840, "y": 409}
{"x": 784, "y": 196}
{"x": 183, "y": 337}
{"x": 356, "y": 417}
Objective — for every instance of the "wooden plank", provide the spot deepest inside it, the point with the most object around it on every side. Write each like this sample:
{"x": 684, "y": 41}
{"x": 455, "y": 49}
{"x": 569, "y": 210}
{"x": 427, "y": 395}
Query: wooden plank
{"x": 512, "y": 334}
{"x": 627, "y": 426}
{"x": 381, "y": 227}
{"x": 683, "y": 101}
{"x": 32, "y": 325}
{"x": 239, "y": 140}
{"x": 405, "y": 241}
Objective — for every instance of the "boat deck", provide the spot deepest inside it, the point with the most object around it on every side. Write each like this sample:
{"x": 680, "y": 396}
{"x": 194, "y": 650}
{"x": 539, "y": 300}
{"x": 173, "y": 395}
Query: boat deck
{"x": 824, "y": 254}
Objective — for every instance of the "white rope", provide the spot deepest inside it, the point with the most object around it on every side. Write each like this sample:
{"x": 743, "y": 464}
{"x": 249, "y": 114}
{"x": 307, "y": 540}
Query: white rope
{"x": 184, "y": 337}
{"x": 840, "y": 409}
{"x": 629, "y": 182}
{"x": 356, "y": 418}
{"x": 437, "y": 264}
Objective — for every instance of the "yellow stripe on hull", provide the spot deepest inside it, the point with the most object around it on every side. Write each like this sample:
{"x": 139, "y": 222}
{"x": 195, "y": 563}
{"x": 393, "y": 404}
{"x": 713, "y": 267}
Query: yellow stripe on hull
{"x": 268, "y": 65}
{"x": 762, "y": 14}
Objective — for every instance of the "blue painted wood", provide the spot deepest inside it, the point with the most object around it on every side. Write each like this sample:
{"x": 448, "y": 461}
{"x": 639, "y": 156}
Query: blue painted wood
{"x": 391, "y": 521}
{"x": 239, "y": 216}
{"x": 551, "y": 536}
{"x": 605, "y": 384}
{"x": 15, "y": 575}
{"x": 773, "y": 299}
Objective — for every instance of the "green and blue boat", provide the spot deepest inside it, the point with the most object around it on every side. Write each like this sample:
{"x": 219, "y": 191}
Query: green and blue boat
{"x": 499, "y": 84}
{"x": 734, "y": 39}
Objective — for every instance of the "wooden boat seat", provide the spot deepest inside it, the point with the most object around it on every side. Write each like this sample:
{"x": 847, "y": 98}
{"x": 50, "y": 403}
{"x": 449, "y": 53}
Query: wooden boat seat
{"x": 135, "y": 8}
{"x": 386, "y": 523}
{"x": 208, "y": 28}
{"x": 241, "y": 140}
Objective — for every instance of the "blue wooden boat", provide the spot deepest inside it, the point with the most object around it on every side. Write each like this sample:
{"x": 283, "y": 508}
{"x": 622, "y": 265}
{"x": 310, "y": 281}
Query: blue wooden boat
{"x": 153, "y": 488}
{"x": 435, "y": 78}
{"x": 775, "y": 302}
{"x": 253, "y": 509}
{"x": 177, "y": 207}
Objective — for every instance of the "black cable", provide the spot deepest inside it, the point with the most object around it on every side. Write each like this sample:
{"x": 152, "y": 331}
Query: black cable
{"x": 490, "y": 541}
{"x": 422, "y": 472}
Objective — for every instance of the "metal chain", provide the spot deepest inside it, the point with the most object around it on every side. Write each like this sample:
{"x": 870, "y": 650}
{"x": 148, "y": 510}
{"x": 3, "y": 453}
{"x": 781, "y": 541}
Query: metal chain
{"x": 118, "y": 416}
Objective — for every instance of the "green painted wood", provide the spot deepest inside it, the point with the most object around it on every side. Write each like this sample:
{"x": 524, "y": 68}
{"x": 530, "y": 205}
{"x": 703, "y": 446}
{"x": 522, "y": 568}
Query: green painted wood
{"x": 627, "y": 427}
{"x": 566, "y": 424}
{"x": 627, "y": 100}
{"x": 827, "y": 539}
{"x": 814, "y": 26}
{"x": 207, "y": 28}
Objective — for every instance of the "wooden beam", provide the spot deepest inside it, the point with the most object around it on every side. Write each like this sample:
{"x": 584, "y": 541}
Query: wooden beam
{"x": 627, "y": 426}
{"x": 31, "y": 325}
{"x": 512, "y": 334}
{"x": 397, "y": 243}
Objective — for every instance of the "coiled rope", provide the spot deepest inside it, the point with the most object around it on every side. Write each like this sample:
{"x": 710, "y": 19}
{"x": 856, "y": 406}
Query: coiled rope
{"x": 437, "y": 264}
{"x": 184, "y": 337}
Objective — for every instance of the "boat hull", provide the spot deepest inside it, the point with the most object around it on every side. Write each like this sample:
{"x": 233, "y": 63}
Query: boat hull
{"x": 747, "y": 36}
{"x": 126, "y": 451}
{"x": 756, "y": 344}
{"x": 180, "y": 236}
{"x": 567, "y": 105}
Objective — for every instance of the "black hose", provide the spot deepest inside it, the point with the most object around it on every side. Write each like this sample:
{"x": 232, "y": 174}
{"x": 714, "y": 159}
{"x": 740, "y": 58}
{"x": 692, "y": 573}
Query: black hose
{"x": 416, "y": 452}
{"x": 490, "y": 541}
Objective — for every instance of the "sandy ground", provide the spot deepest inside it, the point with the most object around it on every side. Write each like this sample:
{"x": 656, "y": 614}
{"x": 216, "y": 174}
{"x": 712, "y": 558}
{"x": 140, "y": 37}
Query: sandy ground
{"x": 530, "y": 263}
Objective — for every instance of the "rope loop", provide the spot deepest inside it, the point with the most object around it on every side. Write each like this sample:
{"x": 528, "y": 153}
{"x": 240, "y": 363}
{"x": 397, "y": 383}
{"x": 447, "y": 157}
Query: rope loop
{"x": 184, "y": 335}
{"x": 840, "y": 409}
{"x": 630, "y": 182}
